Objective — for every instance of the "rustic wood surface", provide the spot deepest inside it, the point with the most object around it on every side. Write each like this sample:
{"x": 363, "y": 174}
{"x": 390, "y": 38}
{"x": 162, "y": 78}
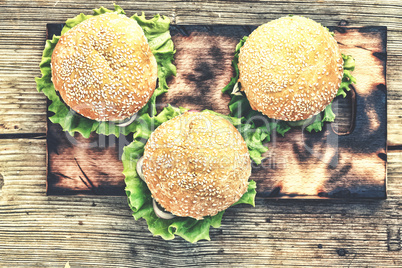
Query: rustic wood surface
{"x": 37, "y": 230}
{"x": 299, "y": 165}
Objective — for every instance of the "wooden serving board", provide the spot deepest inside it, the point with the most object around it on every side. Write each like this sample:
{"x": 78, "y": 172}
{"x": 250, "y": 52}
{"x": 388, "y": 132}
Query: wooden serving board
{"x": 299, "y": 165}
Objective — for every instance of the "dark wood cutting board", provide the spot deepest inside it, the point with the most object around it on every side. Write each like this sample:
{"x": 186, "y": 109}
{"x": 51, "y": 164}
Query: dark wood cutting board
{"x": 299, "y": 165}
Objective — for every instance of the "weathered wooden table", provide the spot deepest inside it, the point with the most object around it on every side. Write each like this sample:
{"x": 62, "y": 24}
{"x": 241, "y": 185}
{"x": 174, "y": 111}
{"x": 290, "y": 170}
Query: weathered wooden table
{"x": 42, "y": 230}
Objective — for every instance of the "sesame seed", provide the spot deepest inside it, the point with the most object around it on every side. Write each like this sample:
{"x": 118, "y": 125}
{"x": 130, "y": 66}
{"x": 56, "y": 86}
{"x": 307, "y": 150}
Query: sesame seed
{"x": 92, "y": 69}
{"x": 186, "y": 151}
{"x": 263, "y": 75}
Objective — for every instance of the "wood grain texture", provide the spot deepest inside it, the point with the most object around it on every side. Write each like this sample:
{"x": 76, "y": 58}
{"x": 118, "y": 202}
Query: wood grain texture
{"x": 31, "y": 35}
{"x": 37, "y": 230}
{"x": 84, "y": 166}
{"x": 301, "y": 164}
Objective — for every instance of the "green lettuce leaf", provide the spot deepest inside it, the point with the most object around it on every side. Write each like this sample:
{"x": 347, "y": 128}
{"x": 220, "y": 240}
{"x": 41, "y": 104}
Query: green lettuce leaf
{"x": 139, "y": 197}
{"x": 316, "y": 125}
{"x": 347, "y": 79}
{"x": 253, "y": 135}
{"x": 157, "y": 32}
{"x": 240, "y": 107}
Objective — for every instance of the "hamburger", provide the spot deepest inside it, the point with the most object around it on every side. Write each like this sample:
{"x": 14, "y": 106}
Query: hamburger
{"x": 103, "y": 68}
{"x": 196, "y": 165}
{"x": 106, "y": 70}
{"x": 192, "y": 168}
{"x": 290, "y": 70}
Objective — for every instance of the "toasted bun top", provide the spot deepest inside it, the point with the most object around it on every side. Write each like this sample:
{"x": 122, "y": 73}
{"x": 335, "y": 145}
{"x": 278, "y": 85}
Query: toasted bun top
{"x": 290, "y": 68}
{"x": 104, "y": 68}
{"x": 196, "y": 165}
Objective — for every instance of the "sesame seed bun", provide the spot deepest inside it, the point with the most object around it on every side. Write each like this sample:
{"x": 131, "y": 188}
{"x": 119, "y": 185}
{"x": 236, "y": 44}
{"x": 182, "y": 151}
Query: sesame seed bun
{"x": 290, "y": 68}
{"x": 196, "y": 165}
{"x": 103, "y": 68}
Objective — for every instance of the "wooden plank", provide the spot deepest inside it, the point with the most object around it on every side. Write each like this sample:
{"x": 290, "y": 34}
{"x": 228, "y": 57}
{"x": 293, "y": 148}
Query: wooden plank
{"x": 87, "y": 166}
{"x": 28, "y": 37}
{"x": 394, "y": 174}
{"x": 20, "y": 106}
{"x": 20, "y": 175}
{"x": 298, "y": 165}
{"x": 98, "y": 231}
